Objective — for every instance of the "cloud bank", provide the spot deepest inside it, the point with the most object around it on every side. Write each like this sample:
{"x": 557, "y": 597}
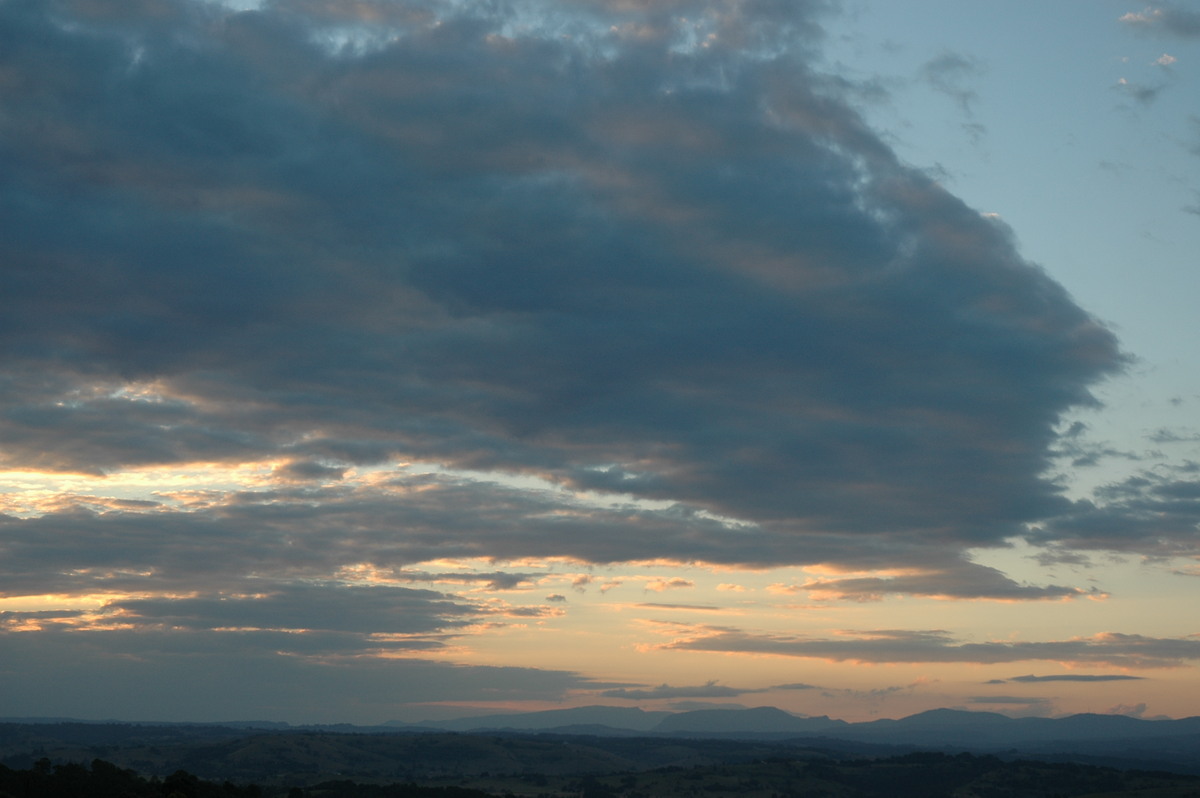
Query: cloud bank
{"x": 328, "y": 292}
{"x": 644, "y": 253}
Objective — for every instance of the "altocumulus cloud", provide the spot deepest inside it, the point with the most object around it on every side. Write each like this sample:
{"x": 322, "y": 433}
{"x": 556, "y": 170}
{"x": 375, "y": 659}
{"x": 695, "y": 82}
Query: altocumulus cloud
{"x": 637, "y": 251}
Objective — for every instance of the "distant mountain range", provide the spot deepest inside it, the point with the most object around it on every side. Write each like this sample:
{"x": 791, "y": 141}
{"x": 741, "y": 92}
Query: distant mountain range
{"x": 603, "y": 717}
{"x": 1105, "y": 739}
{"x": 938, "y": 727}
{"x": 593, "y": 739}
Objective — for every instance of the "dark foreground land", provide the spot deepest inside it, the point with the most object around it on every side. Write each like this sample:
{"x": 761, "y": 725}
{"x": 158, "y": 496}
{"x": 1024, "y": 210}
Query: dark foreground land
{"x": 928, "y": 775}
{"x": 81, "y": 760}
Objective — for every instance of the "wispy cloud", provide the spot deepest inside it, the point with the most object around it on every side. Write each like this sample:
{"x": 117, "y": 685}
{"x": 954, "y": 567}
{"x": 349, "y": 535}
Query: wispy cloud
{"x": 1078, "y": 677}
{"x": 1118, "y": 650}
{"x": 949, "y": 73}
{"x": 672, "y": 583}
{"x": 1166, "y": 18}
{"x": 964, "y": 581}
{"x": 706, "y": 690}
{"x": 1141, "y": 92}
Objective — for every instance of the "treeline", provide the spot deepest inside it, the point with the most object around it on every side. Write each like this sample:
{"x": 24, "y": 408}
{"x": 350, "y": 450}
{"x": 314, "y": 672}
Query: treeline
{"x": 918, "y": 775}
{"x": 106, "y": 780}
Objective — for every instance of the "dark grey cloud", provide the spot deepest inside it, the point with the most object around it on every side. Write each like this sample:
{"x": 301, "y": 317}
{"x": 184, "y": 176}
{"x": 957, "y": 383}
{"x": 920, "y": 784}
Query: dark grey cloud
{"x": 294, "y": 619}
{"x": 218, "y": 543}
{"x": 964, "y": 581}
{"x": 9, "y": 618}
{"x": 1166, "y": 18}
{"x": 619, "y": 262}
{"x": 214, "y": 677}
{"x": 1078, "y": 677}
{"x": 1152, "y": 512}
{"x": 305, "y": 470}
{"x": 1075, "y": 445}
{"x": 891, "y": 645}
{"x": 495, "y": 580}
{"x": 296, "y": 652}
{"x": 302, "y": 608}
{"x": 311, "y": 533}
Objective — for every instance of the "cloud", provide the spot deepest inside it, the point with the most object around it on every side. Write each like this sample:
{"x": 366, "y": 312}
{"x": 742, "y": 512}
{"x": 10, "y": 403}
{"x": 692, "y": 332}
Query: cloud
{"x": 1016, "y": 706}
{"x": 304, "y": 470}
{"x": 947, "y": 73}
{"x": 965, "y": 581}
{"x": 1164, "y": 435}
{"x": 1007, "y": 699}
{"x": 1153, "y": 513}
{"x": 1109, "y": 648}
{"x": 1077, "y": 677}
{"x": 674, "y": 583}
{"x": 296, "y": 608}
{"x": 208, "y": 542}
{"x": 346, "y": 256}
{"x": 494, "y": 580}
{"x": 706, "y": 690}
{"x": 288, "y": 651}
{"x": 295, "y": 305}
{"x": 172, "y": 675}
{"x": 1166, "y": 18}
{"x": 690, "y": 706}
{"x": 1139, "y": 91}
{"x": 1083, "y": 453}
{"x": 293, "y": 619}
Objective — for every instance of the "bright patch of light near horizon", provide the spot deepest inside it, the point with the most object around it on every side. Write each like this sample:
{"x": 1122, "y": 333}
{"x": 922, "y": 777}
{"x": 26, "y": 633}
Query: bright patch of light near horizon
{"x": 31, "y": 494}
{"x": 240, "y": 5}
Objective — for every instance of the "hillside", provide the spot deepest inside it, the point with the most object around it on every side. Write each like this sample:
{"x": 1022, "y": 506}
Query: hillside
{"x": 910, "y": 776}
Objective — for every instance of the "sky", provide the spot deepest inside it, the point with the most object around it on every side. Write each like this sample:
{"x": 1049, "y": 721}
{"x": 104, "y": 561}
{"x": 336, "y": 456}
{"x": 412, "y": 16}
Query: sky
{"x": 372, "y": 360}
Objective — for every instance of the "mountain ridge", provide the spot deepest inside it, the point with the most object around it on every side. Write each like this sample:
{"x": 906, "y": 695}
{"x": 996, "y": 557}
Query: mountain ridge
{"x": 942, "y": 726}
{"x": 681, "y": 738}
